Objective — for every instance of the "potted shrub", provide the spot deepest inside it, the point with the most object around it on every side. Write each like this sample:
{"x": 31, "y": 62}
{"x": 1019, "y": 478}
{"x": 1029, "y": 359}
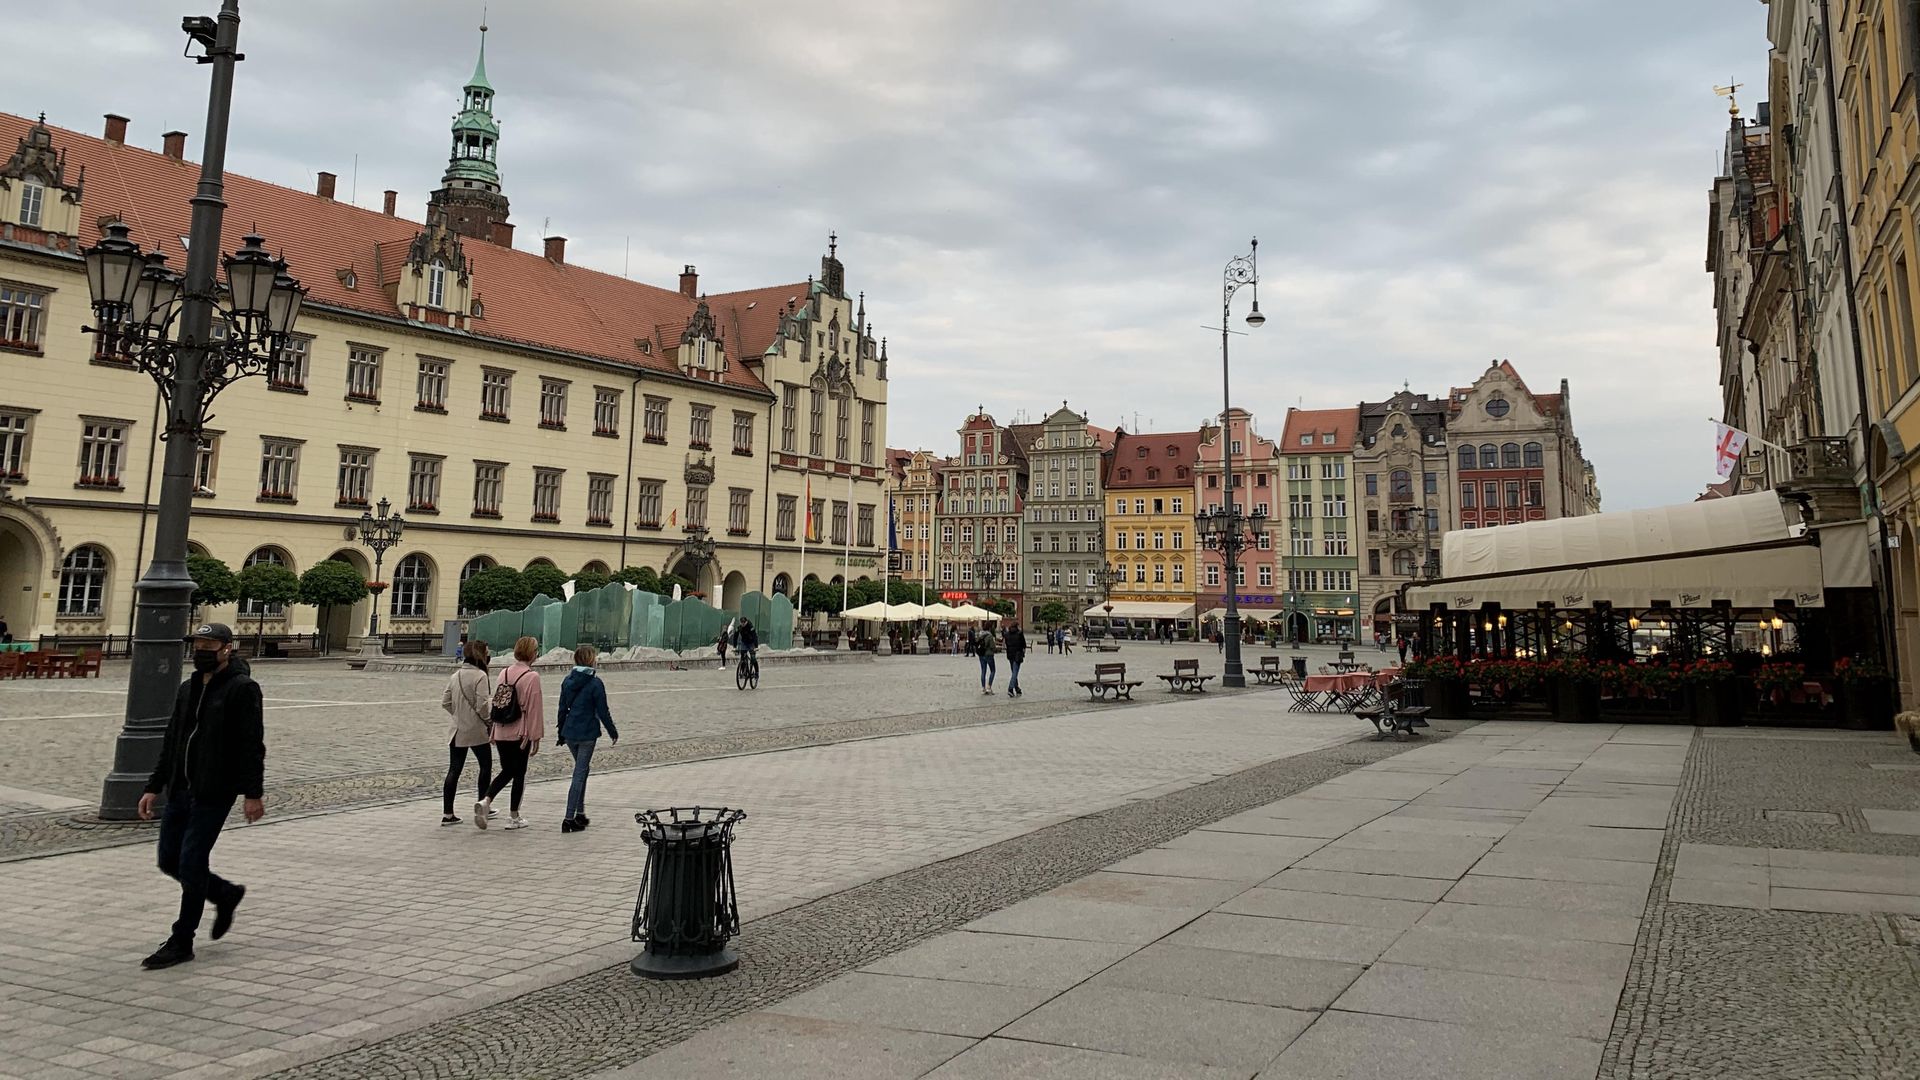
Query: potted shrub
{"x": 1713, "y": 696}
{"x": 1573, "y": 690}
{"x": 1446, "y": 689}
{"x": 1778, "y": 681}
{"x": 1866, "y": 694}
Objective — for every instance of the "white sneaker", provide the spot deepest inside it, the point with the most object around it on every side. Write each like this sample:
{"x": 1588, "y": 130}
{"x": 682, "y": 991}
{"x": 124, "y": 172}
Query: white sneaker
{"x": 516, "y": 822}
{"x": 481, "y": 812}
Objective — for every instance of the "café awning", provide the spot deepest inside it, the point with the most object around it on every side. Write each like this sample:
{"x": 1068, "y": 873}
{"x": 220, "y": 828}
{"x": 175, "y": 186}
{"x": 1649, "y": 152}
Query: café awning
{"x": 1141, "y": 609}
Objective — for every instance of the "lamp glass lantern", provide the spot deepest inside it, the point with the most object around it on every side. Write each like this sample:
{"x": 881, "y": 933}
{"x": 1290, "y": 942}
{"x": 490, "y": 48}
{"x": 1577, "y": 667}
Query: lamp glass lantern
{"x": 113, "y": 269}
{"x": 250, "y": 276}
{"x": 283, "y": 305}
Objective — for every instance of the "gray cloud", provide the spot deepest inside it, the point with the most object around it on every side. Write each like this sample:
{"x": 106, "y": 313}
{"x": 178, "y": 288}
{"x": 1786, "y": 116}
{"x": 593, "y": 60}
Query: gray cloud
{"x": 1038, "y": 197}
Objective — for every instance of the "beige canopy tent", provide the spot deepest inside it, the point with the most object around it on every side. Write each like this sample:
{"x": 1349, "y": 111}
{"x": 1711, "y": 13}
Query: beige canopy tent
{"x": 905, "y": 612}
{"x": 969, "y": 613}
{"x": 936, "y": 612}
{"x": 1140, "y": 609}
{"x": 876, "y": 610}
{"x": 1750, "y": 551}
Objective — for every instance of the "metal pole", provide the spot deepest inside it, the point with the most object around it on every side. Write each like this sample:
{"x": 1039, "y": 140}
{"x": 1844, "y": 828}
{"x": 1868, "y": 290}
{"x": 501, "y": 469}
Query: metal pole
{"x": 163, "y": 597}
{"x": 373, "y": 616}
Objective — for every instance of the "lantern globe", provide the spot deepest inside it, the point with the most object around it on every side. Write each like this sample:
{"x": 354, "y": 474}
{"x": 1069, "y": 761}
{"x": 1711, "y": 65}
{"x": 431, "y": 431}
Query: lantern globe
{"x": 113, "y": 270}
{"x": 250, "y": 274}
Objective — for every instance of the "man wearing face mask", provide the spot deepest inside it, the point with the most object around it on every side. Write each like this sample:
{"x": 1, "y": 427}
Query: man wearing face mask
{"x": 215, "y": 752}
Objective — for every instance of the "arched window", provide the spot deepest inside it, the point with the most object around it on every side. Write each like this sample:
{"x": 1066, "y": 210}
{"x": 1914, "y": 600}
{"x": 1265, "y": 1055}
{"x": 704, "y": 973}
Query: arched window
{"x": 782, "y": 584}
{"x": 412, "y": 581}
{"x": 1535, "y": 457}
{"x": 474, "y": 566}
{"x": 437, "y": 284}
{"x": 1467, "y": 458}
{"x": 539, "y": 562}
{"x": 1510, "y": 455}
{"x": 1489, "y": 456}
{"x": 1400, "y": 483}
{"x": 254, "y": 608}
{"x": 83, "y": 583}
{"x": 595, "y": 567}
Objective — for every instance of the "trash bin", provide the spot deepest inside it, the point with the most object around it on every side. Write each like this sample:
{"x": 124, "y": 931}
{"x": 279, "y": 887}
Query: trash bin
{"x": 1300, "y": 667}
{"x": 686, "y": 911}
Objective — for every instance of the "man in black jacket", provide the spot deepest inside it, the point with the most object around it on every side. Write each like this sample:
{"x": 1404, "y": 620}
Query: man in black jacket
{"x": 215, "y": 751}
{"x": 1016, "y": 655}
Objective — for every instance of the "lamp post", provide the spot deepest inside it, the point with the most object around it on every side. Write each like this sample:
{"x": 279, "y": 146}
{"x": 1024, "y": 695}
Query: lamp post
{"x": 1229, "y": 531}
{"x": 379, "y": 533}
{"x": 1241, "y": 270}
{"x": 986, "y": 570}
{"x": 698, "y": 549}
{"x": 164, "y": 325}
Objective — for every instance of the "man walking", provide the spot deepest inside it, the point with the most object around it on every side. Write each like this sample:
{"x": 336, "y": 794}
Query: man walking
{"x": 214, "y": 752}
{"x": 1016, "y": 655}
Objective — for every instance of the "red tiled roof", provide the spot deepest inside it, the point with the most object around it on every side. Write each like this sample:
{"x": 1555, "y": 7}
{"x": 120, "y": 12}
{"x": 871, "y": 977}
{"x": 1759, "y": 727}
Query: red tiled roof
{"x": 1164, "y": 450}
{"x": 1343, "y": 423}
{"x": 528, "y": 299}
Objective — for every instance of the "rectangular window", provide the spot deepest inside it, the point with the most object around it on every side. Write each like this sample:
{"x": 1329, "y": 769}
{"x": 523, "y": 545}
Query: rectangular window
{"x": 356, "y": 476}
{"x": 102, "y": 443}
{"x": 489, "y": 485}
{"x": 13, "y": 446}
{"x": 1159, "y": 573}
{"x": 1490, "y": 494}
{"x": 1903, "y": 306}
{"x": 20, "y": 316}
{"x": 1213, "y": 575}
{"x": 206, "y": 458}
{"x": 1119, "y": 506}
{"x": 496, "y": 393}
{"x": 839, "y": 522}
{"x": 1433, "y": 521}
{"x": 817, "y": 423}
{"x": 817, "y": 519}
{"x": 739, "y": 511}
{"x": 946, "y": 534}
{"x": 788, "y": 513}
{"x": 1140, "y": 573}
{"x": 868, "y": 415}
{"x": 599, "y": 498}
{"x": 842, "y": 419}
{"x": 1264, "y": 541}
{"x": 1373, "y": 521}
{"x": 1139, "y": 506}
{"x": 1179, "y": 573}
{"x": 279, "y": 469}
{"x": 1373, "y": 561}
{"x": 431, "y": 385}
{"x": 553, "y": 404}
{"x": 1159, "y": 541}
{"x": 423, "y": 483}
{"x": 606, "y": 411}
{"x": 789, "y": 417}
{"x": 743, "y": 433}
{"x": 1513, "y": 493}
{"x": 966, "y": 534}
{"x": 363, "y": 374}
{"x": 289, "y": 370}
{"x": 1179, "y": 541}
{"x": 696, "y": 508}
{"x": 1536, "y": 493}
{"x": 864, "y": 537}
{"x": 1373, "y": 483}
{"x": 700, "y": 427}
{"x": 33, "y": 199}
{"x": 655, "y": 430}
{"x": 1466, "y": 496}
{"x": 1431, "y": 484}
{"x": 546, "y": 494}
{"x": 650, "y": 503}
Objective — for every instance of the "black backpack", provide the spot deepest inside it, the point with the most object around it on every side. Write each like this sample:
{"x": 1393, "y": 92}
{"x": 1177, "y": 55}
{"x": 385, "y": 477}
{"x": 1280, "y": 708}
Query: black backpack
{"x": 505, "y": 707}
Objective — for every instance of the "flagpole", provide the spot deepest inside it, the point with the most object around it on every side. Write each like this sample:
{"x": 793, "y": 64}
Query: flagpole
{"x": 806, "y": 526}
{"x": 846, "y": 551}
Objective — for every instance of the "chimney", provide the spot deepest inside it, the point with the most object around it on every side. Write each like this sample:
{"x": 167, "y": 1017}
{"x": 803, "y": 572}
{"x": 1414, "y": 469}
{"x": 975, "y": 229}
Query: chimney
{"x": 503, "y": 234}
{"x": 689, "y": 282}
{"x": 392, "y": 198}
{"x": 556, "y": 249}
{"x": 325, "y": 188}
{"x": 116, "y": 128}
{"x": 174, "y": 145}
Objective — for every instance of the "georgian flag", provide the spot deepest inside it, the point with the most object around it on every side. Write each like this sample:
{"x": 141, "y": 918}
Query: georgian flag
{"x": 1728, "y": 444}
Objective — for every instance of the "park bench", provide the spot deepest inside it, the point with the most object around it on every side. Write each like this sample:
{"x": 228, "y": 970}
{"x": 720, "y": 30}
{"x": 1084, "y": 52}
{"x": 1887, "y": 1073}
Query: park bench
{"x": 1392, "y": 714}
{"x": 1101, "y": 644}
{"x": 1186, "y": 678}
{"x": 1109, "y": 679}
{"x": 1269, "y": 671}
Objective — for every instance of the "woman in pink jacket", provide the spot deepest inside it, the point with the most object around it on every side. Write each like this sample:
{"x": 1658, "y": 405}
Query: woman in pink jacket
{"x": 519, "y": 740}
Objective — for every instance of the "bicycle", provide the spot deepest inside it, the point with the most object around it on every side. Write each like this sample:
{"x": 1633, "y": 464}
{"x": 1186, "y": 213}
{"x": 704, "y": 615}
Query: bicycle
{"x": 746, "y": 672}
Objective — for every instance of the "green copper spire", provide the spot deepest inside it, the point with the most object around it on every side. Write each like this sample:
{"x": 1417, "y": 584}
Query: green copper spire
{"x": 476, "y": 136}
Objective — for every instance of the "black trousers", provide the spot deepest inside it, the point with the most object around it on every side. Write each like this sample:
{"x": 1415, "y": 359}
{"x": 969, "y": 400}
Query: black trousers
{"x": 188, "y": 829}
{"x": 456, "y": 762}
{"x": 513, "y": 769}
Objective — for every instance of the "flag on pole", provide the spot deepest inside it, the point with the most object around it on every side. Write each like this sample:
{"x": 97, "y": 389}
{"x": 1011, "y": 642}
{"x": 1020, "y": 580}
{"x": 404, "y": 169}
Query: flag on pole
{"x": 1729, "y": 443}
{"x": 893, "y": 527}
{"x": 811, "y": 524}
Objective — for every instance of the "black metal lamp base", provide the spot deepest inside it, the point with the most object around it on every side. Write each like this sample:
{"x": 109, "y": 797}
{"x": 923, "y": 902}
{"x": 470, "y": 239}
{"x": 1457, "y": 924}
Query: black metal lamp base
{"x": 651, "y": 965}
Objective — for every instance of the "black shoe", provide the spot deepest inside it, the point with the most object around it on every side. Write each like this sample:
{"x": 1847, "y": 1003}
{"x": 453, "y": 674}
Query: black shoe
{"x": 579, "y": 821}
{"x": 171, "y": 953}
{"x": 567, "y": 825}
{"x": 223, "y": 913}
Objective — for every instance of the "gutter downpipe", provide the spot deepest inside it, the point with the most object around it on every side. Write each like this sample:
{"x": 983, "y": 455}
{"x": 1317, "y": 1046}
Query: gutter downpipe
{"x": 626, "y": 500}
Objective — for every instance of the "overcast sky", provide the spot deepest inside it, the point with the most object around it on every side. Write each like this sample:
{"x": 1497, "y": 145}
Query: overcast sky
{"x": 1039, "y": 197}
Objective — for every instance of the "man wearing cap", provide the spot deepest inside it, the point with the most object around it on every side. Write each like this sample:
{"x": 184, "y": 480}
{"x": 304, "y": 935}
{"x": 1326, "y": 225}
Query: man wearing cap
{"x": 215, "y": 752}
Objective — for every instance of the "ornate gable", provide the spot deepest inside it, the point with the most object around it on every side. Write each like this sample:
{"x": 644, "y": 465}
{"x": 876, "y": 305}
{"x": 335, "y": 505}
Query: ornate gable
{"x": 35, "y": 195}
{"x": 702, "y": 354}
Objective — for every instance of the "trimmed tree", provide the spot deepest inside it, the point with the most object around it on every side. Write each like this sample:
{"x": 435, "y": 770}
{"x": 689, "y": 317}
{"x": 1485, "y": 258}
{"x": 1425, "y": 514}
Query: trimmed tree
{"x": 213, "y": 582}
{"x": 1052, "y": 613}
{"x": 543, "y": 578}
{"x": 329, "y": 584}
{"x": 864, "y": 591}
{"x": 1000, "y": 606}
{"x": 904, "y": 592}
{"x": 497, "y": 588}
{"x": 822, "y": 597}
{"x": 640, "y": 577}
{"x": 668, "y": 581}
{"x": 587, "y": 580}
{"x": 267, "y": 583}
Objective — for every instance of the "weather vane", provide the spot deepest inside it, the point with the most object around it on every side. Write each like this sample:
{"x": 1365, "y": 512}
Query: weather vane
{"x": 1728, "y": 91}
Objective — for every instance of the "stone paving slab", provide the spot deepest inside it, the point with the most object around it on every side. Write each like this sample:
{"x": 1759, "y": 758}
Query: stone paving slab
{"x": 1163, "y": 1027}
{"x": 798, "y": 1048}
{"x": 942, "y": 1006}
{"x": 997, "y": 1059}
{"x": 1355, "y": 1046}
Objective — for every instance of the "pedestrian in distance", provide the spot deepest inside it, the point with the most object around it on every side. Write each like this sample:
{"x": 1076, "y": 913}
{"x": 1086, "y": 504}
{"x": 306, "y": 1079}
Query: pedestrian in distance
{"x": 581, "y": 716}
{"x": 1066, "y": 642}
{"x": 465, "y": 700}
{"x": 1016, "y": 655}
{"x": 518, "y": 726}
{"x": 1403, "y": 649}
{"x": 721, "y": 643}
{"x": 214, "y": 752}
{"x": 984, "y": 648}
{"x": 746, "y": 642}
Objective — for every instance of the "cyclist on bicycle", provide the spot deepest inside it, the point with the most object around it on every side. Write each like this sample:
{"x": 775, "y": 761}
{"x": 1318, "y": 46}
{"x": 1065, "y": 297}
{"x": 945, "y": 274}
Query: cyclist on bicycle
{"x": 747, "y": 642}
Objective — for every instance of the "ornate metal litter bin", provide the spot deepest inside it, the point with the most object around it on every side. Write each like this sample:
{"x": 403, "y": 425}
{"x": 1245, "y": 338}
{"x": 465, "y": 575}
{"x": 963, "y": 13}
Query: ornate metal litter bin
{"x": 686, "y": 910}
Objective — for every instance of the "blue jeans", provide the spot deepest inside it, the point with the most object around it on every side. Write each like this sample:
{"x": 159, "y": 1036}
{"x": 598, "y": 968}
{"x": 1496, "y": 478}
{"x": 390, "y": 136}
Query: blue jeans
{"x": 582, "y": 763}
{"x": 986, "y": 672}
{"x": 188, "y": 829}
{"x": 1013, "y": 675}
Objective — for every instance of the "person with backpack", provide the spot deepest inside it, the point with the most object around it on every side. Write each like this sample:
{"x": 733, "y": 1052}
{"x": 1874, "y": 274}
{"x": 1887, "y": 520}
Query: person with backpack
{"x": 466, "y": 700}
{"x": 721, "y": 644}
{"x": 1016, "y": 655}
{"x": 518, "y": 727}
{"x": 984, "y": 648}
{"x": 582, "y": 713}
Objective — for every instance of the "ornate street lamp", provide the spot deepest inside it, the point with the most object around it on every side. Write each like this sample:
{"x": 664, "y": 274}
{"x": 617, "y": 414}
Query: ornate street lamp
{"x": 379, "y": 532}
{"x": 1241, "y": 270}
{"x": 987, "y": 568}
{"x": 698, "y": 548}
{"x": 165, "y": 325}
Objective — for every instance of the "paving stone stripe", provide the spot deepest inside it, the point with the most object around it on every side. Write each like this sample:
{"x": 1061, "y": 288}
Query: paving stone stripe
{"x": 609, "y": 1018}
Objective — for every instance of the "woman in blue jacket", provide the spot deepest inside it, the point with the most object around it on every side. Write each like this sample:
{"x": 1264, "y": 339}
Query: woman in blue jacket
{"x": 583, "y": 712}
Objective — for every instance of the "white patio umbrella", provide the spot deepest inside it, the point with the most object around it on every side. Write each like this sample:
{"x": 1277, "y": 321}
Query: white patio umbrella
{"x": 905, "y": 612}
{"x": 936, "y": 612}
{"x": 875, "y": 610}
{"x": 969, "y": 613}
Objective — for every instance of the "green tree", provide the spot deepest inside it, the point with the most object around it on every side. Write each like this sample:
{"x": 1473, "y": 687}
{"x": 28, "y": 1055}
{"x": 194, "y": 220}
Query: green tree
{"x": 267, "y": 583}
{"x": 329, "y": 584}
{"x": 587, "y": 580}
{"x": 1000, "y": 605}
{"x": 909, "y": 592}
{"x": 668, "y": 581}
{"x": 543, "y": 578}
{"x": 821, "y": 597}
{"x": 640, "y": 577}
{"x": 864, "y": 591}
{"x": 497, "y": 588}
{"x": 1052, "y": 613}
{"x": 213, "y": 581}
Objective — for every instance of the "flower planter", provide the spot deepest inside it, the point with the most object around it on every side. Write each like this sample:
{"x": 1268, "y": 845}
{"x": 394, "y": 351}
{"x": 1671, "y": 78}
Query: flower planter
{"x": 1448, "y": 698}
{"x": 1574, "y": 701}
{"x": 1867, "y": 705}
{"x": 1714, "y": 704}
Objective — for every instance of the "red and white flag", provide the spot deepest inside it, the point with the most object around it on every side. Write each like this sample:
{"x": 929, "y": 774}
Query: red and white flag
{"x": 1728, "y": 445}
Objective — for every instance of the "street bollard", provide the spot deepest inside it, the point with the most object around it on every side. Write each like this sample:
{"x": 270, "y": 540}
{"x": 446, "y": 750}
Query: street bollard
{"x": 686, "y": 911}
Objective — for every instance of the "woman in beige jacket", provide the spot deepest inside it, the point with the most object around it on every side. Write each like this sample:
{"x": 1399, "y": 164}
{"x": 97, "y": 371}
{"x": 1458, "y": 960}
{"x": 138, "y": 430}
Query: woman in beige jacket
{"x": 467, "y": 700}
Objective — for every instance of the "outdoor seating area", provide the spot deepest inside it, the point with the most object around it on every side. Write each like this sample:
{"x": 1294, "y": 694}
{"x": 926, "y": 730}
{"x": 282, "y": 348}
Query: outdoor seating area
{"x": 1109, "y": 683}
{"x": 1336, "y": 691}
{"x": 1186, "y": 678}
{"x": 43, "y": 664}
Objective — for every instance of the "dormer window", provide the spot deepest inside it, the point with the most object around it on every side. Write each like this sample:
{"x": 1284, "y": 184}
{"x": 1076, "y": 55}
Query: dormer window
{"x": 33, "y": 201}
{"x": 350, "y": 280}
{"x": 437, "y": 284}
{"x": 479, "y": 310}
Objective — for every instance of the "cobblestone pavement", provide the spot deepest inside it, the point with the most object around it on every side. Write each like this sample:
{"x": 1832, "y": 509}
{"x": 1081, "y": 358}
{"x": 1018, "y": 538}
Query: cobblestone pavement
{"x": 1717, "y": 990}
{"x": 372, "y": 922}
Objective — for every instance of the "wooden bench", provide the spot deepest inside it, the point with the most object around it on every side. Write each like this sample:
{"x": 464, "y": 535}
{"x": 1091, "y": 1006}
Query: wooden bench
{"x": 1109, "y": 679}
{"x": 1269, "y": 671}
{"x": 1186, "y": 678}
{"x": 1392, "y": 714}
